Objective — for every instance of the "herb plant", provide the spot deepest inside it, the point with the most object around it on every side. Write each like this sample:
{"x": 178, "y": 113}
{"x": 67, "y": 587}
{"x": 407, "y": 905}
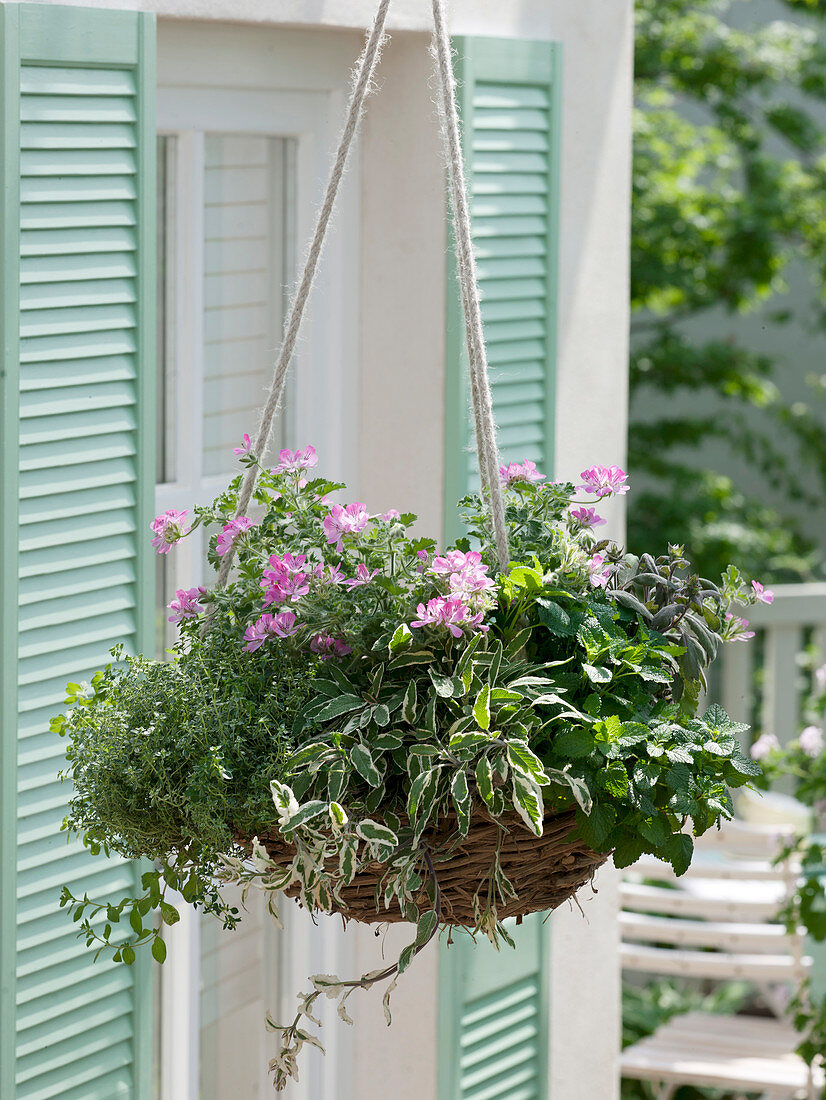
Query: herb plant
{"x": 361, "y": 698}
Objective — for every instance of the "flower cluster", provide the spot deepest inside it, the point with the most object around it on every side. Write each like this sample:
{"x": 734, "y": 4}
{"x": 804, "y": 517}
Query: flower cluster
{"x": 168, "y": 529}
{"x": 468, "y": 595}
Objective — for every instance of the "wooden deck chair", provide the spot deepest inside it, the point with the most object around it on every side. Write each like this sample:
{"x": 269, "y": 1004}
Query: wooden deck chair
{"x": 718, "y": 922}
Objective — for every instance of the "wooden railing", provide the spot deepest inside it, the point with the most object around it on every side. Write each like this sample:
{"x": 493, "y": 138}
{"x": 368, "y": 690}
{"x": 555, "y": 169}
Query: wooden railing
{"x": 772, "y": 702}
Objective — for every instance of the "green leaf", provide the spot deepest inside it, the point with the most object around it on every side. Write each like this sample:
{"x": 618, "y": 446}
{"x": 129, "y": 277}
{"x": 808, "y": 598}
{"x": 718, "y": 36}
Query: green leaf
{"x": 484, "y": 779}
{"x": 336, "y": 707}
{"x": 468, "y": 741}
{"x": 596, "y": 825}
{"x": 409, "y": 704}
{"x": 554, "y": 617}
{"x": 627, "y": 851}
{"x": 517, "y": 643}
{"x": 306, "y": 813}
{"x": 495, "y": 663}
{"x": 401, "y": 637}
{"x": 127, "y": 954}
{"x": 442, "y": 684}
{"x": 415, "y": 657}
{"x": 387, "y": 740}
{"x": 461, "y": 800}
{"x": 377, "y": 834}
{"x": 158, "y": 949}
{"x": 481, "y": 708}
{"x": 464, "y": 660}
{"x": 136, "y": 922}
{"x": 598, "y": 675}
{"x": 523, "y": 759}
{"x": 679, "y": 850}
{"x": 381, "y": 715}
{"x": 365, "y": 765}
{"x": 574, "y": 744}
{"x": 745, "y": 766}
{"x": 527, "y": 801}
{"x": 169, "y": 914}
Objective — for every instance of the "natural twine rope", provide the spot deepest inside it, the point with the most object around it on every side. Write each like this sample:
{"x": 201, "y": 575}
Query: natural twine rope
{"x": 487, "y": 453}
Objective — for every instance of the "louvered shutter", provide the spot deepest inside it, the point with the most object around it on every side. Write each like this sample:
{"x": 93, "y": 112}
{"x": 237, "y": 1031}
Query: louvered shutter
{"x": 510, "y": 106}
{"x": 77, "y": 464}
{"x": 493, "y": 1017}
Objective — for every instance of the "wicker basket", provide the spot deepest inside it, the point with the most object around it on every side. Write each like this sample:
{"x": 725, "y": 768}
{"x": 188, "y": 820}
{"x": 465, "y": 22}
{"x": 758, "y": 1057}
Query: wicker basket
{"x": 545, "y": 871}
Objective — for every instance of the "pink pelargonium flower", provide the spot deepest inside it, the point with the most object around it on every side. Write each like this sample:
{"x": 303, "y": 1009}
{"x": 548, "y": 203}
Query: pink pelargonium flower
{"x": 168, "y": 529}
{"x": 761, "y": 594}
{"x": 456, "y": 561}
{"x": 449, "y": 612}
{"x": 587, "y": 517}
{"x": 811, "y": 740}
{"x": 290, "y": 462}
{"x": 820, "y": 679}
{"x": 245, "y": 447}
{"x": 327, "y": 647}
{"x": 284, "y": 579}
{"x": 604, "y": 481}
{"x": 741, "y": 633}
{"x": 391, "y": 515}
{"x": 269, "y": 626}
{"x": 328, "y": 574}
{"x": 185, "y": 605}
{"x": 342, "y": 521}
{"x": 230, "y": 532}
{"x": 363, "y": 576}
{"x": 599, "y": 573}
{"x": 765, "y": 744}
{"x": 520, "y": 471}
{"x": 471, "y": 583}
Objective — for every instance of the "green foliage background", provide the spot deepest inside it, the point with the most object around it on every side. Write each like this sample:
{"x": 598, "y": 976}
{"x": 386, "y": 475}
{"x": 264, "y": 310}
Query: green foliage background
{"x": 729, "y": 202}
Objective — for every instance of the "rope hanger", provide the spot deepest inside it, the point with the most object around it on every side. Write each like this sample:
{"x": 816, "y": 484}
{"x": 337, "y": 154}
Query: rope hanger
{"x": 486, "y": 449}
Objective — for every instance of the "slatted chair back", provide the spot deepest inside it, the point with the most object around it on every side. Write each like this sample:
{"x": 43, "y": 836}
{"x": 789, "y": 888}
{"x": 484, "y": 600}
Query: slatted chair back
{"x": 719, "y": 921}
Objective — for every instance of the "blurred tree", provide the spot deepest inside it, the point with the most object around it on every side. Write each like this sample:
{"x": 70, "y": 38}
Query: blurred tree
{"x": 729, "y": 192}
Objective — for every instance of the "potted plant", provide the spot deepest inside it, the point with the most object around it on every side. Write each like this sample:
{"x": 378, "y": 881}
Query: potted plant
{"x": 392, "y": 733}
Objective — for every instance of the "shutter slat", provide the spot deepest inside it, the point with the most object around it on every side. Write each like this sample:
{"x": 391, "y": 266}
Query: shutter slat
{"x": 80, "y": 461}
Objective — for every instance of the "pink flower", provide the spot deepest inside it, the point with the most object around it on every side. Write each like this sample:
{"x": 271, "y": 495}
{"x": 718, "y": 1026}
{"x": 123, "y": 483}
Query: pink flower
{"x": 424, "y": 558}
{"x": 520, "y": 471}
{"x": 455, "y": 561}
{"x": 820, "y": 679}
{"x": 230, "y": 533}
{"x": 185, "y": 605}
{"x": 599, "y": 573}
{"x": 168, "y": 528}
{"x": 245, "y": 447}
{"x": 449, "y": 612}
{"x": 391, "y": 515}
{"x": 604, "y": 481}
{"x": 269, "y": 626}
{"x": 471, "y": 583}
{"x": 328, "y": 574}
{"x": 587, "y": 517}
{"x": 284, "y": 580}
{"x": 811, "y": 740}
{"x": 739, "y": 627}
{"x": 764, "y": 745}
{"x": 345, "y": 521}
{"x": 291, "y": 462}
{"x": 363, "y": 576}
{"x": 326, "y": 646}
{"x": 761, "y": 594}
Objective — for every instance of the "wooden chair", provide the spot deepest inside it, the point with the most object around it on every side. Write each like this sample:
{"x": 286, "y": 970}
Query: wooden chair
{"x": 718, "y": 923}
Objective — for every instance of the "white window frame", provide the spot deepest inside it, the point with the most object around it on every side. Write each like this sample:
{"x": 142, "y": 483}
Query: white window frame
{"x": 325, "y": 413}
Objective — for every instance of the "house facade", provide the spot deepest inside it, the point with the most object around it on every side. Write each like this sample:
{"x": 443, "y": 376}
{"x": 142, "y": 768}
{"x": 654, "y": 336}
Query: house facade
{"x": 161, "y": 166}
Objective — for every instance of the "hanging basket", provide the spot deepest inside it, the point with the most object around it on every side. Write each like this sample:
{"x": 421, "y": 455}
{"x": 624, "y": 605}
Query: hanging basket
{"x": 544, "y": 871}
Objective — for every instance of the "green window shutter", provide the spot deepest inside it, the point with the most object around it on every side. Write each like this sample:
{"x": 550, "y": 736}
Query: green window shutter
{"x": 493, "y": 1016}
{"x": 510, "y": 103}
{"x": 77, "y": 341}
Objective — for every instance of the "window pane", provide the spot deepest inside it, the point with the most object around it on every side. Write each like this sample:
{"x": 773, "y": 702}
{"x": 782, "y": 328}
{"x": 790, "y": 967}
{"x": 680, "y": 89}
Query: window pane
{"x": 246, "y": 245}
